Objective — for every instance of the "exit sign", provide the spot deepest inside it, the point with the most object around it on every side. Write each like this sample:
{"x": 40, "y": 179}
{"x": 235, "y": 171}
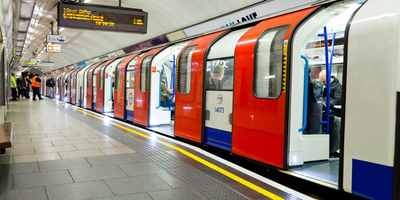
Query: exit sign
{"x": 53, "y": 48}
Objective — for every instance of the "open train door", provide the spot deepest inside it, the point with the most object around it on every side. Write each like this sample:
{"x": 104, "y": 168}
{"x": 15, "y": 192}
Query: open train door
{"x": 91, "y": 86}
{"x": 142, "y": 85}
{"x": 99, "y": 86}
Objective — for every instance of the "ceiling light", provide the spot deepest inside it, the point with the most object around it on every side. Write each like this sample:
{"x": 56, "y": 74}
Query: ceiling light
{"x": 86, "y": 1}
{"x": 61, "y": 29}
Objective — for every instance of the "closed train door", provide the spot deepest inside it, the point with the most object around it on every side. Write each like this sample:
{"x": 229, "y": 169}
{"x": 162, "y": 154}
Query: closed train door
{"x": 142, "y": 85}
{"x": 219, "y": 80}
{"x": 189, "y": 95}
{"x": 121, "y": 84}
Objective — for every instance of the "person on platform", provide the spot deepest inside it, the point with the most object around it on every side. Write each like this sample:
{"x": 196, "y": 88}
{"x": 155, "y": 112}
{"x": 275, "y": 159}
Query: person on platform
{"x": 51, "y": 87}
{"x": 22, "y": 85}
{"x": 36, "y": 87}
{"x": 14, "y": 87}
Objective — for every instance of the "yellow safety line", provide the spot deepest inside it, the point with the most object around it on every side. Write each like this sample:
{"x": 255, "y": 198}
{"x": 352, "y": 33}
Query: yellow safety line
{"x": 204, "y": 162}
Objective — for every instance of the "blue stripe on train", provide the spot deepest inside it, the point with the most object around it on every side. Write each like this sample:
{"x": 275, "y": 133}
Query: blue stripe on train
{"x": 371, "y": 180}
{"x": 218, "y": 138}
{"x": 129, "y": 115}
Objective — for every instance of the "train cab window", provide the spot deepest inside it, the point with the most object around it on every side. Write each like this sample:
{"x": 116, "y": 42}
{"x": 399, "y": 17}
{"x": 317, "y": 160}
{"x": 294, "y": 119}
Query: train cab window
{"x": 220, "y": 74}
{"x": 144, "y": 73}
{"x": 117, "y": 76}
{"x": 130, "y": 79}
{"x": 268, "y": 63}
{"x": 185, "y": 70}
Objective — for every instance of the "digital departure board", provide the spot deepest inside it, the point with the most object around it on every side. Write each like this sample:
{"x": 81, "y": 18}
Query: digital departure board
{"x": 96, "y": 17}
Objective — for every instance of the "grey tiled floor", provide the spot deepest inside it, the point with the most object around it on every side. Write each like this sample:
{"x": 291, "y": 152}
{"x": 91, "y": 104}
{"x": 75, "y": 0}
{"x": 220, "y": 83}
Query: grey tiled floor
{"x": 60, "y": 153}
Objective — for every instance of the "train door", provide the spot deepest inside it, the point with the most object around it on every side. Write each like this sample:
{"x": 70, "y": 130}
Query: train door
{"x": 91, "y": 87}
{"x": 259, "y": 110}
{"x": 219, "y": 71}
{"x": 119, "y": 89}
{"x": 101, "y": 77}
{"x": 85, "y": 87}
{"x": 315, "y": 119}
{"x": 142, "y": 85}
{"x": 109, "y": 87}
{"x": 65, "y": 87}
{"x": 130, "y": 88}
{"x": 162, "y": 89}
{"x": 74, "y": 82}
{"x": 80, "y": 85}
{"x": 189, "y": 98}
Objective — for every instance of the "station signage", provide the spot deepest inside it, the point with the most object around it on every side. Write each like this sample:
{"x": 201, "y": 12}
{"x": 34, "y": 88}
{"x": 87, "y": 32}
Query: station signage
{"x": 53, "y": 48}
{"x": 99, "y": 17}
{"x": 56, "y": 39}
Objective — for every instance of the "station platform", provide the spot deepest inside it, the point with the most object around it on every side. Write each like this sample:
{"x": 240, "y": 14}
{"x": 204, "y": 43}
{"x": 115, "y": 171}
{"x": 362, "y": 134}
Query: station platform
{"x": 60, "y": 151}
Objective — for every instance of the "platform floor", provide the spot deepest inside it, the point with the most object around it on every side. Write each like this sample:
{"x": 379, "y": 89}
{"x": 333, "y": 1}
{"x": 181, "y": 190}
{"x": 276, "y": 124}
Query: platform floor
{"x": 64, "y": 152}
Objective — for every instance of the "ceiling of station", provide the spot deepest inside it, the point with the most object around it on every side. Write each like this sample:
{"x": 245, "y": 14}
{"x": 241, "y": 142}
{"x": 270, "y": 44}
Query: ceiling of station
{"x": 35, "y": 16}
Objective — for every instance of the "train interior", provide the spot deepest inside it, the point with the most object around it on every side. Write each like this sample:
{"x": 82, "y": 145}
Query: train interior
{"x": 109, "y": 78}
{"x": 313, "y": 147}
{"x": 162, "y": 102}
{"x": 130, "y": 88}
{"x": 65, "y": 86}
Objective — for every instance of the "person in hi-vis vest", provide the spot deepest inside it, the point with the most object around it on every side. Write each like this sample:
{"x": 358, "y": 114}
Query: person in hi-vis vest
{"x": 36, "y": 86}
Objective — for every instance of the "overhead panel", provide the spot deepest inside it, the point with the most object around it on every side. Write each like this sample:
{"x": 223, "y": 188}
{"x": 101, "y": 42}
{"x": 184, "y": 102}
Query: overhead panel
{"x": 107, "y": 18}
{"x": 225, "y": 47}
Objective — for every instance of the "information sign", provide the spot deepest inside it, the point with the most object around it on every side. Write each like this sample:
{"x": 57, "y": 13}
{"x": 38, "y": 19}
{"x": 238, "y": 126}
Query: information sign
{"x": 98, "y": 17}
{"x": 53, "y": 48}
{"x": 56, "y": 39}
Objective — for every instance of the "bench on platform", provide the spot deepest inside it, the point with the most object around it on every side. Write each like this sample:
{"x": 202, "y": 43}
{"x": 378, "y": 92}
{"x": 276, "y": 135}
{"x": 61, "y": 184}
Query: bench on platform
{"x": 6, "y": 130}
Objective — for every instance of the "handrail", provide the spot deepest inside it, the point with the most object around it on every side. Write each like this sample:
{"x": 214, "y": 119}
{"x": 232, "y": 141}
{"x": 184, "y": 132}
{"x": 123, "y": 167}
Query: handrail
{"x": 305, "y": 101}
{"x": 173, "y": 81}
{"x": 159, "y": 99}
{"x": 328, "y": 68}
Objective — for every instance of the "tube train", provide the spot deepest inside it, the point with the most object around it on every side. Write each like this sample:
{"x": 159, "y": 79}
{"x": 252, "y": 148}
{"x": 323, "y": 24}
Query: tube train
{"x": 258, "y": 109}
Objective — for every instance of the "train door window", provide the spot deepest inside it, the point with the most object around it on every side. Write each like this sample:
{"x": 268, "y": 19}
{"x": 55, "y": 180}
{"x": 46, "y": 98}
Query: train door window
{"x": 185, "y": 70}
{"x": 268, "y": 63}
{"x": 220, "y": 74}
{"x": 144, "y": 73}
{"x": 130, "y": 79}
{"x": 94, "y": 80}
{"x": 117, "y": 76}
{"x": 101, "y": 78}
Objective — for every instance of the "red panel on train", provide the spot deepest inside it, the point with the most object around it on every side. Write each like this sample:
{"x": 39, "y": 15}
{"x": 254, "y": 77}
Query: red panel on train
{"x": 258, "y": 130}
{"x": 188, "y": 113}
{"x": 119, "y": 101}
{"x": 141, "y": 102}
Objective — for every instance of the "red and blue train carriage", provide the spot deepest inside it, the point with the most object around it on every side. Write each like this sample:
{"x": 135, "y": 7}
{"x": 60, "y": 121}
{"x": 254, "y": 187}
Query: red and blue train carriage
{"x": 259, "y": 109}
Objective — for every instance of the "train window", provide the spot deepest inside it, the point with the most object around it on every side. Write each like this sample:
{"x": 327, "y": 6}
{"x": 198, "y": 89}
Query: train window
{"x": 144, "y": 73}
{"x": 117, "y": 76}
{"x": 101, "y": 79}
{"x": 220, "y": 74}
{"x": 185, "y": 70}
{"x": 268, "y": 63}
{"x": 130, "y": 79}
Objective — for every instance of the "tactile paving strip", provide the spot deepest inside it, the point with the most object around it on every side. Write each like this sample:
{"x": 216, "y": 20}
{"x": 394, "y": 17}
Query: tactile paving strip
{"x": 207, "y": 182}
